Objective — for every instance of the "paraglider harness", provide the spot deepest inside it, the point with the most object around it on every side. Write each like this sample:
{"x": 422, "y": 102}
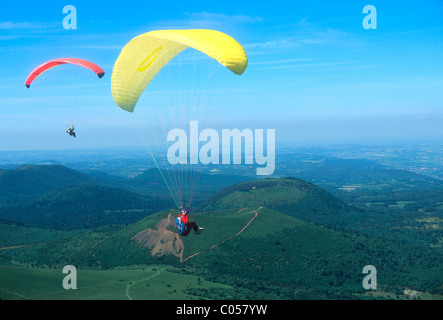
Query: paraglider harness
{"x": 181, "y": 224}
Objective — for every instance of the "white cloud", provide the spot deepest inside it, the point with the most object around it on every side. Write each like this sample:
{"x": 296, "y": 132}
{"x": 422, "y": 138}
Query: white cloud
{"x": 279, "y": 61}
{"x": 223, "y": 18}
{"x": 101, "y": 47}
{"x": 302, "y": 34}
{"x": 11, "y": 25}
{"x": 307, "y": 65}
{"x": 206, "y": 20}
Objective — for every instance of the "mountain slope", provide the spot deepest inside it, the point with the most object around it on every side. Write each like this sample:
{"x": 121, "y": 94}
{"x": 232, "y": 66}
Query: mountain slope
{"x": 261, "y": 252}
{"x": 294, "y": 197}
{"x": 279, "y": 250}
{"x": 151, "y": 182}
{"x": 14, "y": 234}
{"x": 27, "y": 182}
{"x": 154, "y": 238}
{"x": 84, "y": 206}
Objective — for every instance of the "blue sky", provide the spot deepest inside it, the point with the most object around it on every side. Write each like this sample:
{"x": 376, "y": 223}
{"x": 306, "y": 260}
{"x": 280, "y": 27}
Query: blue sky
{"x": 314, "y": 74}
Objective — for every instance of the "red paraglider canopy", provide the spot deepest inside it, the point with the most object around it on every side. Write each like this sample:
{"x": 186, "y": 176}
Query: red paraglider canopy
{"x": 52, "y": 63}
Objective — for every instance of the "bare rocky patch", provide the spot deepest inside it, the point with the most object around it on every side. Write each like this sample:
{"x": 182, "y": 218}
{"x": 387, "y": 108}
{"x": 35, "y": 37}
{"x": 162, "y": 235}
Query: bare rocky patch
{"x": 161, "y": 241}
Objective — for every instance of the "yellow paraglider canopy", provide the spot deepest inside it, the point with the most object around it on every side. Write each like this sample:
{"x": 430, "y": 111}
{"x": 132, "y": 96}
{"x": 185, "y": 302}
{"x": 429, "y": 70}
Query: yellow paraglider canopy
{"x": 145, "y": 55}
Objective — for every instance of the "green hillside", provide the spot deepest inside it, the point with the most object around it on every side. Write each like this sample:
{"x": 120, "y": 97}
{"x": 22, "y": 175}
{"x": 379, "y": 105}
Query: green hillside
{"x": 28, "y": 182}
{"x": 294, "y": 197}
{"x": 149, "y": 282}
{"x": 299, "y": 259}
{"x": 151, "y": 182}
{"x": 14, "y": 234}
{"x": 300, "y": 199}
{"x": 34, "y": 193}
{"x": 84, "y": 206}
{"x": 261, "y": 241}
{"x": 260, "y": 253}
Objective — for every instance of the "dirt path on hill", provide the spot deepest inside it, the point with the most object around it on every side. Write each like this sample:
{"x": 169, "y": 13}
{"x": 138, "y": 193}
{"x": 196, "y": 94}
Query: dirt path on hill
{"x": 95, "y": 257}
{"x": 233, "y": 236}
{"x": 134, "y": 282}
{"x": 14, "y": 293}
{"x": 19, "y": 246}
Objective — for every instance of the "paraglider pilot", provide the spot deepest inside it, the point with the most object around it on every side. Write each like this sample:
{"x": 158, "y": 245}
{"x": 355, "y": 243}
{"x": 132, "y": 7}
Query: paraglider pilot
{"x": 70, "y": 131}
{"x": 183, "y": 224}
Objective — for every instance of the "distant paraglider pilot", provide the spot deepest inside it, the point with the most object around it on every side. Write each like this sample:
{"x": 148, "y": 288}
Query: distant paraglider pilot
{"x": 58, "y": 62}
{"x": 183, "y": 224}
{"x": 71, "y": 131}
